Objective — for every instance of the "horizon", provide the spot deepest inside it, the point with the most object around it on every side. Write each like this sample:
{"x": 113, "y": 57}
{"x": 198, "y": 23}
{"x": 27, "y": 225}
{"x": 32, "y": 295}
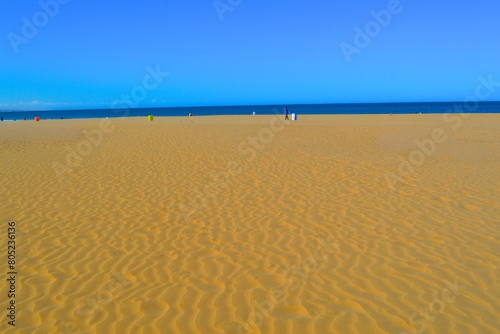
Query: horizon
{"x": 401, "y": 108}
{"x": 68, "y": 55}
{"x": 250, "y": 105}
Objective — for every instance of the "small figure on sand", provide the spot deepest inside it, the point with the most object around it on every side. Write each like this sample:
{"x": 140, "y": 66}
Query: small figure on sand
{"x": 286, "y": 112}
{"x": 190, "y": 114}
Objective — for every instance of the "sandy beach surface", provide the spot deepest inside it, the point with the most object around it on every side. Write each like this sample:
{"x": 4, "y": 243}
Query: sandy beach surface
{"x": 247, "y": 224}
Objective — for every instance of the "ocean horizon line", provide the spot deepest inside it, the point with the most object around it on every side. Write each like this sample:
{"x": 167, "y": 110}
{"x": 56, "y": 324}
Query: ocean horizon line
{"x": 246, "y": 105}
{"x": 305, "y": 109}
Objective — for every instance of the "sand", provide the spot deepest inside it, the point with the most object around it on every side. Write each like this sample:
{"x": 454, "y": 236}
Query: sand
{"x": 241, "y": 224}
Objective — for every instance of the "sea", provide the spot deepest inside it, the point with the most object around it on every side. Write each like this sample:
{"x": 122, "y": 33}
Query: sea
{"x": 299, "y": 109}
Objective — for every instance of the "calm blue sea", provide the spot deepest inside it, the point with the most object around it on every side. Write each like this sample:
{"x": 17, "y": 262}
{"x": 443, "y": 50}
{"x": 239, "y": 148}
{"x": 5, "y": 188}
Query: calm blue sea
{"x": 304, "y": 109}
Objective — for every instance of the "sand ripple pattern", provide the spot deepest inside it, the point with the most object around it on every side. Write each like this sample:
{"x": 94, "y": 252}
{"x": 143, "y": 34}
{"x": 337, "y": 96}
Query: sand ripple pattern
{"x": 305, "y": 236}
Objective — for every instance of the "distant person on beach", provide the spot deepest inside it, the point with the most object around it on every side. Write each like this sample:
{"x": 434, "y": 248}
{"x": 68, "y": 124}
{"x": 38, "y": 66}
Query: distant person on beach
{"x": 190, "y": 114}
{"x": 286, "y": 112}
{"x": 1, "y": 119}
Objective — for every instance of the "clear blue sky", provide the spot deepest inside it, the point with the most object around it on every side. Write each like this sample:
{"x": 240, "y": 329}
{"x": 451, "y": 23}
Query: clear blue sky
{"x": 89, "y": 54}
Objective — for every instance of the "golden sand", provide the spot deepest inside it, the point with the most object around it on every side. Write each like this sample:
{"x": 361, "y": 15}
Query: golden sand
{"x": 328, "y": 224}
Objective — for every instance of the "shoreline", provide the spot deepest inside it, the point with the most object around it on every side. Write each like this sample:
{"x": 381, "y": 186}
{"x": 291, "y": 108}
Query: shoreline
{"x": 250, "y": 115}
{"x": 406, "y": 108}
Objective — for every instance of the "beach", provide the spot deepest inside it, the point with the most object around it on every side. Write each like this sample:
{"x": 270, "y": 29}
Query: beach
{"x": 250, "y": 224}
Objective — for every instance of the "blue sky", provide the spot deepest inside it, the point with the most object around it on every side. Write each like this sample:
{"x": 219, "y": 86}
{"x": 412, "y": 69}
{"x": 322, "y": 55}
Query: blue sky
{"x": 93, "y": 54}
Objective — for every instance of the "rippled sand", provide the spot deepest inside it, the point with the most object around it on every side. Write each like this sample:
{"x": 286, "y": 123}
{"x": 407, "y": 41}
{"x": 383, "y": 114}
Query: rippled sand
{"x": 329, "y": 224}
